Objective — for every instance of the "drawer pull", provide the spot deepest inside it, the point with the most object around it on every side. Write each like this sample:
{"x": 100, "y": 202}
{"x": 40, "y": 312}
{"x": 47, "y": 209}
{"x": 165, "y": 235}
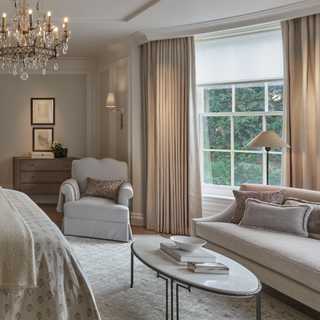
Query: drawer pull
{"x": 30, "y": 176}
{"x": 31, "y": 164}
{"x": 66, "y": 165}
{"x": 67, "y": 177}
{"x": 30, "y": 188}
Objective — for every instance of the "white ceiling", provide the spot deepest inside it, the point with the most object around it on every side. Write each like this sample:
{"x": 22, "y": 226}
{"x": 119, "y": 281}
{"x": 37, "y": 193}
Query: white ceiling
{"x": 96, "y": 24}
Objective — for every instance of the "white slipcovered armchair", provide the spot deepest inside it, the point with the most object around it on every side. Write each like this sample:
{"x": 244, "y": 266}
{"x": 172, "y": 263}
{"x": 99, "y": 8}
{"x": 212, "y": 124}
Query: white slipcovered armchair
{"x": 93, "y": 216}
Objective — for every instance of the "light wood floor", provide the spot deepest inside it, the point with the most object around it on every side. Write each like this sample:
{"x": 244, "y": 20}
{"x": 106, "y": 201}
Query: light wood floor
{"x": 50, "y": 210}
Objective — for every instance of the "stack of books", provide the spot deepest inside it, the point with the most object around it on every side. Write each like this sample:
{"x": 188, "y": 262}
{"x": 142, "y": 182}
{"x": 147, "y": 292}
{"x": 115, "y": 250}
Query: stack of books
{"x": 199, "y": 261}
{"x": 211, "y": 267}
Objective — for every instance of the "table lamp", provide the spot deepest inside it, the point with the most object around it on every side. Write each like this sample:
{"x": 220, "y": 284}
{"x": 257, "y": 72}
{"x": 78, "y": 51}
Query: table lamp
{"x": 268, "y": 140}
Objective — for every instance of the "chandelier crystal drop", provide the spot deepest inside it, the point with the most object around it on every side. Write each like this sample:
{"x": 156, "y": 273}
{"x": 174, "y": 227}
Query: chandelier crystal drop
{"x": 25, "y": 45}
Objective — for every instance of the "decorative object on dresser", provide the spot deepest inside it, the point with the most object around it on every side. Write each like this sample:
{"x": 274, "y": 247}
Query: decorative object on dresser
{"x": 42, "y": 139}
{"x": 42, "y": 111}
{"x": 40, "y": 176}
{"x": 57, "y": 149}
{"x": 42, "y": 155}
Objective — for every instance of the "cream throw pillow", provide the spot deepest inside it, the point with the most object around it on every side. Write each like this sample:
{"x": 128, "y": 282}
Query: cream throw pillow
{"x": 104, "y": 189}
{"x": 284, "y": 219}
{"x": 313, "y": 225}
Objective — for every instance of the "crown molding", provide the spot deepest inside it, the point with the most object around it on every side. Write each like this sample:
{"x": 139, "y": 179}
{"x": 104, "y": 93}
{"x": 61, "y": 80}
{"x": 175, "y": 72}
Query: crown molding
{"x": 295, "y": 10}
{"x": 238, "y": 31}
{"x": 120, "y": 48}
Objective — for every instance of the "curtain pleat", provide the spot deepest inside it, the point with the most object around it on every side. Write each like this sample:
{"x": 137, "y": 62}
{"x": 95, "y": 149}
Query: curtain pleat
{"x": 172, "y": 172}
{"x": 301, "y": 46}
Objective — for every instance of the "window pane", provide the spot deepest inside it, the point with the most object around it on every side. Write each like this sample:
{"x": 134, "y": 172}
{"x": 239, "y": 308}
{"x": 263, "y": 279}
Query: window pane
{"x": 218, "y": 99}
{"x": 275, "y": 169}
{"x": 217, "y": 168}
{"x": 274, "y": 123}
{"x": 250, "y": 97}
{"x": 247, "y": 168}
{"x": 216, "y": 132}
{"x": 275, "y": 96}
{"x": 245, "y": 129}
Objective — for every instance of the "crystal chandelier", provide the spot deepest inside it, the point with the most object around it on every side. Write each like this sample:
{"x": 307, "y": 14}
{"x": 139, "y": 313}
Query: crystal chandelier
{"x": 25, "y": 45}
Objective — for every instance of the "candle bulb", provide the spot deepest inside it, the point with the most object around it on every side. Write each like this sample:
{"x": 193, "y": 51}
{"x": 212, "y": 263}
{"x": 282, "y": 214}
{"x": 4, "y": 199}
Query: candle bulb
{"x": 49, "y": 17}
{"x": 4, "y": 20}
{"x": 30, "y": 17}
{"x": 56, "y": 33}
{"x": 65, "y": 24}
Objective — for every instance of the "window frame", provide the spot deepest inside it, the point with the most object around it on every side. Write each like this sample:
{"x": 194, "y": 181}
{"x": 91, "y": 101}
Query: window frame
{"x": 222, "y": 190}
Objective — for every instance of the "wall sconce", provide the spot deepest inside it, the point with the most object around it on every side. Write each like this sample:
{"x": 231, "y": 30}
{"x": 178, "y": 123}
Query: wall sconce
{"x": 111, "y": 103}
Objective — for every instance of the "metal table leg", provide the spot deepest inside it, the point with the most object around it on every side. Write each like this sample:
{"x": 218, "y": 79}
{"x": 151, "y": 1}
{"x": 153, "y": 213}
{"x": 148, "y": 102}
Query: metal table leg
{"x": 258, "y": 306}
{"x": 132, "y": 266}
{"x": 177, "y": 296}
{"x": 167, "y": 294}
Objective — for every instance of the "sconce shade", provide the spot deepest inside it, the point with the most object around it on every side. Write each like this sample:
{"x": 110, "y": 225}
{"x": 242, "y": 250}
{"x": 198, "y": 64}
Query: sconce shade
{"x": 111, "y": 102}
{"x": 268, "y": 139}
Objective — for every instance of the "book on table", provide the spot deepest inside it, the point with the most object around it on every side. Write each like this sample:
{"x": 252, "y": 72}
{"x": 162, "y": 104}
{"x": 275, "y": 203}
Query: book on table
{"x": 208, "y": 267}
{"x": 200, "y": 255}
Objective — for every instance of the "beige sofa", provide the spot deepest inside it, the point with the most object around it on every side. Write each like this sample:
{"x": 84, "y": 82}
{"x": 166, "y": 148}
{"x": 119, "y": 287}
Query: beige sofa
{"x": 289, "y": 264}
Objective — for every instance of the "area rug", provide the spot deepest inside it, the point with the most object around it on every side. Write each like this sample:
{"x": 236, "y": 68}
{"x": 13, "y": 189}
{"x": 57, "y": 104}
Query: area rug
{"x": 107, "y": 266}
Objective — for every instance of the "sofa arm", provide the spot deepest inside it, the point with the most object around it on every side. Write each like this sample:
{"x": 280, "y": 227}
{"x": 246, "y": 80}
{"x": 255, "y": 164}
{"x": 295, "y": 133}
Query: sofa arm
{"x": 223, "y": 216}
{"x": 69, "y": 191}
{"x": 125, "y": 193}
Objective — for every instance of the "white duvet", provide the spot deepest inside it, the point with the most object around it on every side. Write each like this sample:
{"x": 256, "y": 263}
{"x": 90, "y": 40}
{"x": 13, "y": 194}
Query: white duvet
{"x": 63, "y": 291}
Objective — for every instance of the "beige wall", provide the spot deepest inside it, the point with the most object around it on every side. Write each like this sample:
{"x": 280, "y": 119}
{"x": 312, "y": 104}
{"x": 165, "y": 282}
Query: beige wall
{"x": 69, "y": 92}
{"x": 119, "y": 73}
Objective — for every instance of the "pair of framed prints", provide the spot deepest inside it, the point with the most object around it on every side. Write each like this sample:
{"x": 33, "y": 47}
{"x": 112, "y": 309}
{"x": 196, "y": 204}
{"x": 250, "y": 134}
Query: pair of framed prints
{"x": 42, "y": 113}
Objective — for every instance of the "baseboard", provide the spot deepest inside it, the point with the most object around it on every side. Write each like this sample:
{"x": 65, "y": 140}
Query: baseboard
{"x": 136, "y": 219}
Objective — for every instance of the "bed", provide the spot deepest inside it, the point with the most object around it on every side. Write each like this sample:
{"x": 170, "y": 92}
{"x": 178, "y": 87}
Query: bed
{"x": 62, "y": 291}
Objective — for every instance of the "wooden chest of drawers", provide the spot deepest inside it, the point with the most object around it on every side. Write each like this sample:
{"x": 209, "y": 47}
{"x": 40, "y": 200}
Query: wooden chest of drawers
{"x": 40, "y": 176}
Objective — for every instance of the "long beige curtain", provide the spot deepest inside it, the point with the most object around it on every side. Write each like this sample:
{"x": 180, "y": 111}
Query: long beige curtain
{"x": 172, "y": 173}
{"x": 301, "y": 45}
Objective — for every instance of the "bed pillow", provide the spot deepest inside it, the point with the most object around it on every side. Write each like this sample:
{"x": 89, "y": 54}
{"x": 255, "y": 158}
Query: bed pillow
{"x": 313, "y": 225}
{"x": 275, "y": 197}
{"x": 287, "y": 219}
{"x": 104, "y": 189}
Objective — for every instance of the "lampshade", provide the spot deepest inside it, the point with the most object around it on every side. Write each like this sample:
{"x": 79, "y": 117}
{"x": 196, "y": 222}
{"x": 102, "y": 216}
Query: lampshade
{"x": 268, "y": 139}
{"x": 111, "y": 102}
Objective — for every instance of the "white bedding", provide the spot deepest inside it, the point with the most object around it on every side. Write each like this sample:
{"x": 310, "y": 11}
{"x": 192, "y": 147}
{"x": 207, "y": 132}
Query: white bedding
{"x": 63, "y": 291}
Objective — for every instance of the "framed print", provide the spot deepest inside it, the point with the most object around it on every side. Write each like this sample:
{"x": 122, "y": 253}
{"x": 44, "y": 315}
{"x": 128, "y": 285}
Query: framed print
{"x": 42, "y": 139}
{"x": 42, "y": 111}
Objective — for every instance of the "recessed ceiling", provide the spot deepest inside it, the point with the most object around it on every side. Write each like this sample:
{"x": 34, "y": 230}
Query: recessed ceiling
{"x": 96, "y": 24}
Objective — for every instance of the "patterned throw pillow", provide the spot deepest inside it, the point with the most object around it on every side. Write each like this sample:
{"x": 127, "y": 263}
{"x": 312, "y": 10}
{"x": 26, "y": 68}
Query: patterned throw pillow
{"x": 104, "y": 189}
{"x": 274, "y": 197}
{"x": 313, "y": 225}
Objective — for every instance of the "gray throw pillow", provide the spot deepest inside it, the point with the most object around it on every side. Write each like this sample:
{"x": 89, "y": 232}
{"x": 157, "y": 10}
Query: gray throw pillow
{"x": 275, "y": 197}
{"x": 108, "y": 189}
{"x": 283, "y": 219}
{"x": 313, "y": 225}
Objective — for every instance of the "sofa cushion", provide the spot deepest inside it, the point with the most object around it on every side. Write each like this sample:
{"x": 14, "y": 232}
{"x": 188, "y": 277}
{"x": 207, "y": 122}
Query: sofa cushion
{"x": 313, "y": 225}
{"x": 108, "y": 189}
{"x": 92, "y": 208}
{"x": 275, "y": 197}
{"x": 295, "y": 257}
{"x": 286, "y": 219}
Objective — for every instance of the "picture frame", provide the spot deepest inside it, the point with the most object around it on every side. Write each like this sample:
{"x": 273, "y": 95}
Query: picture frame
{"x": 42, "y": 111}
{"x": 42, "y": 139}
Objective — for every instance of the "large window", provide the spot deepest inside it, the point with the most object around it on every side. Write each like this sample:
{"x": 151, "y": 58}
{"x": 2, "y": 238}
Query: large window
{"x": 230, "y": 117}
{"x": 240, "y": 93}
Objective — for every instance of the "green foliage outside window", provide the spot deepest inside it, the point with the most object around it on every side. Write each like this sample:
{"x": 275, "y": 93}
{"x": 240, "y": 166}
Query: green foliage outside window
{"x": 248, "y": 167}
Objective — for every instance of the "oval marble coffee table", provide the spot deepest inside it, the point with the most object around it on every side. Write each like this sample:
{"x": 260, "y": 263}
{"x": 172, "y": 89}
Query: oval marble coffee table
{"x": 239, "y": 283}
